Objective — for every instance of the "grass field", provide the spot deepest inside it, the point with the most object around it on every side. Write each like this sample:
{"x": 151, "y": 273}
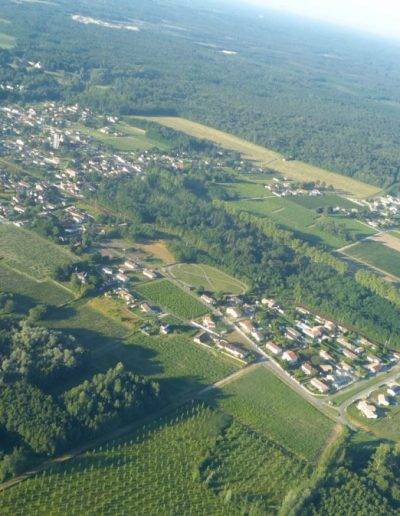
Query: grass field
{"x": 6, "y": 41}
{"x": 378, "y": 255}
{"x": 170, "y": 297}
{"x": 323, "y": 201}
{"x": 302, "y": 220}
{"x": 247, "y": 189}
{"x": 294, "y": 169}
{"x": 262, "y": 401}
{"x": 196, "y": 461}
{"x": 387, "y": 427}
{"x": 210, "y": 278}
{"x": 29, "y": 292}
{"x": 176, "y": 361}
{"x": 30, "y": 253}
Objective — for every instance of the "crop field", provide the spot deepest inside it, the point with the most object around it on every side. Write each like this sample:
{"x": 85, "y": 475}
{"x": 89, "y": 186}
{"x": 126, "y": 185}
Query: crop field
{"x": 170, "y": 297}
{"x": 30, "y": 253}
{"x": 176, "y": 361}
{"x": 378, "y": 255}
{"x": 262, "y": 401}
{"x": 210, "y": 278}
{"x": 196, "y": 461}
{"x": 247, "y": 189}
{"x": 29, "y": 292}
{"x": 323, "y": 201}
{"x": 273, "y": 160}
{"x": 6, "y": 41}
{"x": 302, "y": 220}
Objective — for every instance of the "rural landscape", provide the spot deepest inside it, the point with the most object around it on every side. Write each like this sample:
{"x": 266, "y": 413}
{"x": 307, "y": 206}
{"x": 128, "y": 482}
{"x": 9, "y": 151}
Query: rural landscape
{"x": 199, "y": 285}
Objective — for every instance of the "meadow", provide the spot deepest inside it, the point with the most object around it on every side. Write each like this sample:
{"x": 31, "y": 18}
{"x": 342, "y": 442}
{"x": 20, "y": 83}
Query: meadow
{"x": 195, "y": 461}
{"x": 171, "y": 298}
{"x": 30, "y": 253}
{"x": 262, "y": 401}
{"x": 207, "y": 277}
{"x": 385, "y": 427}
{"x": 378, "y": 255}
{"x": 323, "y": 201}
{"x": 302, "y": 220}
{"x": 29, "y": 292}
{"x": 273, "y": 160}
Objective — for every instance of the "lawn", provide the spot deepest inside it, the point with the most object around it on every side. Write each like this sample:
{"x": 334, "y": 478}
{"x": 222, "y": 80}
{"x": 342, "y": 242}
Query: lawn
{"x": 386, "y": 427}
{"x": 28, "y": 252}
{"x": 266, "y": 157}
{"x": 247, "y": 189}
{"x": 378, "y": 255}
{"x": 171, "y": 298}
{"x": 207, "y": 277}
{"x": 29, "y": 292}
{"x": 194, "y": 461}
{"x": 262, "y": 401}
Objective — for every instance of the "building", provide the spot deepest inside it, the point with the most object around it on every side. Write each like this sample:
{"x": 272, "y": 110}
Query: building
{"x": 207, "y": 299}
{"x": 231, "y": 349}
{"x": 233, "y": 312}
{"x": 208, "y": 322}
{"x": 130, "y": 265}
{"x": 274, "y": 348}
{"x": 203, "y": 338}
{"x": 123, "y": 278}
{"x": 165, "y": 329}
{"x": 256, "y": 335}
{"x": 149, "y": 273}
{"x": 292, "y": 334}
{"x": 247, "y": 326}
{"x": 349, "y": 354}
{"x": 270, "y": 303}
{"x": 319, "y": 386}
{"x": 325, "y": 355}
{"x": 146, "y": 308}
{"x": 374, "y": 367}
{"x": 290, "y": 356}
{"x": 307, "y": 368}
{"x": 367, "y": 409}
{"x": 393, "y": 389}
{"x": 383, "y": 401}
{"x": 326, "y": 368}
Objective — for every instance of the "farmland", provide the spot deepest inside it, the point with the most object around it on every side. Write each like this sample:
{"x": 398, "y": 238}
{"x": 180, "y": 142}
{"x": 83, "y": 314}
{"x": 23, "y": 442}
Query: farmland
{"x": 29, "y": 292}
{"x": 267, "y": 405}
{"x": 207, "y": 277}
{"x": 323, "y": 201}
{"x": 170, "y": 297}
{"x": 378, "y": 255}
{"x": 303, "y": 220}
{"x": 195, "y": 461}
{"x": 265, "y": 157}
{"x": 30, "y": 253}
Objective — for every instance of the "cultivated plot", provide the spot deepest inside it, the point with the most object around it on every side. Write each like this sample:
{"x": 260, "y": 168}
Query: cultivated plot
{"x": 377, "y": 255}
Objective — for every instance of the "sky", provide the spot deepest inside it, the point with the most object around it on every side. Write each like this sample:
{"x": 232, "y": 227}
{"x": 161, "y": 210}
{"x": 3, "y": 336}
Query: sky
{"x": 380, "y": 17}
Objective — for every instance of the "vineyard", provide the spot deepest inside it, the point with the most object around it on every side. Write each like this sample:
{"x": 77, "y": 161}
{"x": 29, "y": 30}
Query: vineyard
{"x": 198, "y": 461}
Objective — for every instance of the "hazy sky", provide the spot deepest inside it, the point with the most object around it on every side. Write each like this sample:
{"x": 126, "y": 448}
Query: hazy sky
{"x": 380, "y": 17}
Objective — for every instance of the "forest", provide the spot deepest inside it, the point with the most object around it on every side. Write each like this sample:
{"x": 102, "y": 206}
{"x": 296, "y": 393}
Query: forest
{"x": 331, "y": 101}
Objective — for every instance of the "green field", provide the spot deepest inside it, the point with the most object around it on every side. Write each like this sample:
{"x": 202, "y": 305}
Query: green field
{"x": 262, "y": 401}
{"x": 132, "y": 139}
{"x": 323, "y": 201}
{"x": 176, "y": 361}
{"x": 265, "y": 157}
{"x": 207, "y": 277}
{"x": 247, "y": 189}
{"x": 29, "y": 292}
{"x": 197, "y": 461}
{"x": 386, "y": 427}
{"x": 170, "y": 297}
{"x": 302, "y": 220}
{"x": 378, "y": 255}
{"x": 6, "y": 41}
{"x": 30, "y": 253}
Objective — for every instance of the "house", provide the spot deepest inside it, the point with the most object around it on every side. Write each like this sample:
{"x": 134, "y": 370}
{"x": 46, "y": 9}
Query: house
{"x": 270, "y": 303}
{"x": 165, "y": 329}
{"x": 150, "y": 273}
{"x": 325, "y": 355}
{"x": 107, "y": 270}
{"x": 292, "y": 334}
{"x": 207, "y": 299}
{"x": 374, "y": 367}
{"x": 367, "y": 409}
{"x": 393, "y": 389}
{"x": 247, "y": 326}
{"x": 132, "y": 266}
{"x": 231, "y": 349}
{"x": 208, "y": 322}
{"x": 307, "y": 368}
{"x": 256, "y": 335}
{"x": 146, "y": 308}
{"x": 330, "y": 326}
{"x": 346, "y": 367}
{"x": 233, "y": 312}
{"x": 274, "y": 348}
{"x": 349, "y": 354}
{"x": 202, "y": 338}
{"x": 346, "y": 344}
{"x": 383, "y": 401}
{"x": 326, "y": 368}
{"x": 290, "y": 356}
{"x": 123, "y": 278}
{"x": 319, "y": 386}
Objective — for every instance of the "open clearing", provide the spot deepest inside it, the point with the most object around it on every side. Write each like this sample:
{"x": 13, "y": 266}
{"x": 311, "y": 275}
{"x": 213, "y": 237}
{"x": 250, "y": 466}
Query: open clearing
{"x": 6, "y": 41}
{"x": 158, "y": 249}
{"x": 265, "y": 157}
{"x": 262, "y": 401}
{"x": 377, "y": 255}
{"x": 182, "y": 463}
{"x": 207, "y": 277}
{"x": 170, "y": 297}
{"x": 30, "y": 253}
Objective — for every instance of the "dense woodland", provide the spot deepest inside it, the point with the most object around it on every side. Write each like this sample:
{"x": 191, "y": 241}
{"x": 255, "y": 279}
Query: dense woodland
{"x": 332, "y": 100}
